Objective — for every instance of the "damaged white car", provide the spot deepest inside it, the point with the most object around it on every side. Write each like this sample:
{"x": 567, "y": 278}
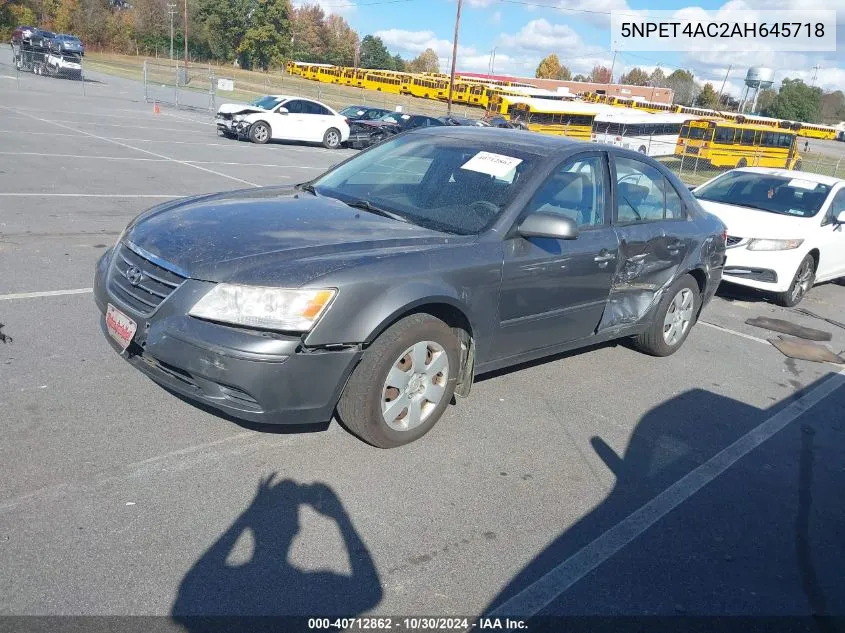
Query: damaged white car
{"x": 283, "y": 118}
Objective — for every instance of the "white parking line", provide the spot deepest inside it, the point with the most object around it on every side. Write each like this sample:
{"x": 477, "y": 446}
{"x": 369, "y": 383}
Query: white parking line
{"x": 546, "y": 589}
{"x": 156, "y": 160}
{"x": 46, "y": 293}
{"x": 734, "y": 332}
{"x": 138, "y": 149}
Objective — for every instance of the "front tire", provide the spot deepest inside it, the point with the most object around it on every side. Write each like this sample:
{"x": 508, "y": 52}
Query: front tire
{"x": 332, "y": 139}
{"x": 403, "y": 383}
{"x": 673, "y": 319}
{"x": 259, "y": 132}
{"x": 803, "y": 280}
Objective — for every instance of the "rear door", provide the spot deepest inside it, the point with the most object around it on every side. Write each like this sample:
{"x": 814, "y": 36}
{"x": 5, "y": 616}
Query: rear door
{"x": 554, "y": 291}
{"x": 655, "y": 235}
{"x": 316, "y": 119}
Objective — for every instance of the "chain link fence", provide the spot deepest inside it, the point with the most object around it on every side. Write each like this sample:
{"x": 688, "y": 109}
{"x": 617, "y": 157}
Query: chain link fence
{"x": 188, "y": 87}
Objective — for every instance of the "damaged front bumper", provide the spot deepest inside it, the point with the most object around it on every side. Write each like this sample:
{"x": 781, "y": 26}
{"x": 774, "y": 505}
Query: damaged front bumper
{"x": 258, "y": 376}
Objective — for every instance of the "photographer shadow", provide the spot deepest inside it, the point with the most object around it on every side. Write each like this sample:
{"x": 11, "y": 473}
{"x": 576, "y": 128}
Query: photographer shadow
{"x": 267, "y": 584}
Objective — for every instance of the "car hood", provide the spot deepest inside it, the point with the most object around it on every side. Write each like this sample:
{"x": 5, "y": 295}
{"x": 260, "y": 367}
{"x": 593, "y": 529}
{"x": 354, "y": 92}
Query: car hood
{"x": 272, "y": 236}
{"x": 749, "y": 222}
{"x": 238, "y": 108}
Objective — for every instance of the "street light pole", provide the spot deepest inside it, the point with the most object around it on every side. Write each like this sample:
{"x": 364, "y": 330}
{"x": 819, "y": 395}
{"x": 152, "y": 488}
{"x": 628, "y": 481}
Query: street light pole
{"x": 186, "y": 35}
{"x": 454, "y": 55}
{"x": 171, "y": 9}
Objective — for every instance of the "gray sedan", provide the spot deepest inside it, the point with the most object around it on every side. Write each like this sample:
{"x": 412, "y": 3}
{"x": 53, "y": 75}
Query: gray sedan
{"x": 382, "y": 288}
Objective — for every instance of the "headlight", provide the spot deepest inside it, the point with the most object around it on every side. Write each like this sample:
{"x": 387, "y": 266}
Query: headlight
{"x": 270, "y": 308}
{"x": 773, "y": 245}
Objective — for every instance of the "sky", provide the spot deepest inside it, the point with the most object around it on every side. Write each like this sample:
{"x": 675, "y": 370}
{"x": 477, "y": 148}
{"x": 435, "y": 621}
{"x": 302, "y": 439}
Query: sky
{"x": 522, "y": 32}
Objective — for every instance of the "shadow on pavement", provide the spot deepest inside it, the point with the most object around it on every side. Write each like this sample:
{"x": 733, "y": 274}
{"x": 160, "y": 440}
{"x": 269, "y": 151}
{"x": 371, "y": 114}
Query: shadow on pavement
{"x": 761, "y": 539}
{"x": 267, "y": 584}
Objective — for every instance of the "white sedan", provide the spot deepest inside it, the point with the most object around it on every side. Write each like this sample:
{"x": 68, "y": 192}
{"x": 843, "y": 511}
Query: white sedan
{"x": 785, "y": 228}
{"x": 284, "y": 118}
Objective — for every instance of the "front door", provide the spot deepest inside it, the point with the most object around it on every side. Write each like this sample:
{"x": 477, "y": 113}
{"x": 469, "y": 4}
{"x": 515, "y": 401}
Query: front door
{"x": 554, "y": 291}
{"x": 284, "y": 125}
{"x": 832, "y": 241}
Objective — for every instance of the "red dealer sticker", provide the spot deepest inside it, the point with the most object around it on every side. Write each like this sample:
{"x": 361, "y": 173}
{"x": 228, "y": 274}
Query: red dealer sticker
{"x": 121, "y": 328}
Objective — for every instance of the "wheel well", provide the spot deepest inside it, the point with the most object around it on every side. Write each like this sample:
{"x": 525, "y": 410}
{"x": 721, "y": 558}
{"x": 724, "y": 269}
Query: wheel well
{"x": 700, "y": 278}
{"x": 815, "y": 255}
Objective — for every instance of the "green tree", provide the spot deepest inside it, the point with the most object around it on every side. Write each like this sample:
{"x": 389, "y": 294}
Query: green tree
{"x": 796, "y": 101}
{"x": 226, "y": 23}
{"x": 66, "y": 15}
{"x": 707, "y": 98}
{"x": 310, "y": 35}
{"x": 600, "y": 74}
{"x": 765, "y": 99}
{"x": 341, "y": 40}
{"x": 657, "y": 78}
{"x": 399, "y": 63}
{"x": 683, "y": 84}
{"x": 551, "y": 68}
{"x": 581, "y": 78}
{"x": 375, "y": 55}
{"x": 635, "y": 77}
{"x": 425, "y": 62}
{"x": 833, "y": 107}
{"x": 262, "y": 47}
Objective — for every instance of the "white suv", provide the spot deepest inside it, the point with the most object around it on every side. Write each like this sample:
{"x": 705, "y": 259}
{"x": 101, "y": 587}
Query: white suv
{"x": 786, "y": 229}
{"x": 284, "y": 118}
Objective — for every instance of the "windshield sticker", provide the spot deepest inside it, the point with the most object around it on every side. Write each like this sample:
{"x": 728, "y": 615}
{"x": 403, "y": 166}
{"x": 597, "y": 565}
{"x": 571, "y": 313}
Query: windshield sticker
{"x": 359, "y": 113}
{"x": 798, "y": 183}
{"x": 795, "y": 212}
{"x": 406, "y": 116}
{"x": 496, "y": 165}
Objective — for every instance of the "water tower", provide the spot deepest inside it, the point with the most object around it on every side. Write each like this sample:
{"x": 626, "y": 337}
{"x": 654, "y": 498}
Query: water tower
{"x": 757, "y": 78}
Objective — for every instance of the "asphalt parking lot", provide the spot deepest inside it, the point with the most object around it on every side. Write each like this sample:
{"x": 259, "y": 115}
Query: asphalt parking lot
{"x": 601, "y": 482}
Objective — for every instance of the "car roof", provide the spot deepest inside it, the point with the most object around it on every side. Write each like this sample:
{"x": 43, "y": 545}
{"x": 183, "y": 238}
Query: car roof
{"x": 788, "y": 173}
{"x": 542, "y": 144}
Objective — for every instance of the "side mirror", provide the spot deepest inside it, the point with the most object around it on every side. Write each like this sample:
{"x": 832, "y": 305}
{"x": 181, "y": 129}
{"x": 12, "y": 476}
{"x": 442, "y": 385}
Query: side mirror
{"x": 840, "y": 219}
{"x": 692, "y": 187}
{"x": 282, "y": 110}
{"x": 548, "y": 225}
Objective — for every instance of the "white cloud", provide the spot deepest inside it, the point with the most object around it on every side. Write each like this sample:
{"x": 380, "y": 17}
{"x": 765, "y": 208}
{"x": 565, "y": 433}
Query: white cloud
{"x": 480, "y": 4}
{"x": 496, "y": 17}
{"x": 542, "y": 36}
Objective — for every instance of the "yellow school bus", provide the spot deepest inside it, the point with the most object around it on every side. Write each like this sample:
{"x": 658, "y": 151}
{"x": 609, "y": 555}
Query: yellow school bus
{"x": 561, "y": 118}
{"x": 724, "y": 143}
{"x": 428, "y": 88}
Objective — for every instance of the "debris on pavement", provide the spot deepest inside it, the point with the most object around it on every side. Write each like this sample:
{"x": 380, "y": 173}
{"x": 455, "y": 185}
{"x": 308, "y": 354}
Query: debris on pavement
{"x": 4, "y": 338}
{"x": 805, "y": 350}
{"x": 806, "y": 312}
{"x": 787, "y": 327}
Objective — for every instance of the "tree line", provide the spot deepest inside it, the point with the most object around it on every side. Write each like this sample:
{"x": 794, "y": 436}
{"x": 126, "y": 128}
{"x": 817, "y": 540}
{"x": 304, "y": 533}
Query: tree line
{"x": 794, "y": 100}
{"x": 259, "y": 34}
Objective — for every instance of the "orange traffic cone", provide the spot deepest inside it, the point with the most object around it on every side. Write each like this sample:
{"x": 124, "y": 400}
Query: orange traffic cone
{"x": 156, "y": 109}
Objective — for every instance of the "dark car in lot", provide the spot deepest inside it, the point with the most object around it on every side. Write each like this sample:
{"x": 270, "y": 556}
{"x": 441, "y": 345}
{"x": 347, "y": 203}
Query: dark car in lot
{"x": 365, "y": 133}
{"x": 22, "y": 33}
{"x": 462, "y": 120}
{"x": 64, "y": 43}
{"x": 383, "y": 287}
{"x": 363, "y": 113}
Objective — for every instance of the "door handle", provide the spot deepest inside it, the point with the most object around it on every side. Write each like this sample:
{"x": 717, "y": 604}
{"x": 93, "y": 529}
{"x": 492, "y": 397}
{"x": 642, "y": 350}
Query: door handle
{"x": 605, "y": 258}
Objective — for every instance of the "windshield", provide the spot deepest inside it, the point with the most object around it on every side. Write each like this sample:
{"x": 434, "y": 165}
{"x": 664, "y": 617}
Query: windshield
{"x": 439, "y": 182}
{"x": 266, "y": 102}
{"x": 775, "y": 194}
{"x": 353, "y": 111}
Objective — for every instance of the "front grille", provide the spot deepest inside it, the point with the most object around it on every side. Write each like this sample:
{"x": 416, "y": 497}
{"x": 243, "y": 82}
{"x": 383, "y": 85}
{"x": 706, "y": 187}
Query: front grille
{"x": 732, "y": 240}
{"x": 154, "y": 285}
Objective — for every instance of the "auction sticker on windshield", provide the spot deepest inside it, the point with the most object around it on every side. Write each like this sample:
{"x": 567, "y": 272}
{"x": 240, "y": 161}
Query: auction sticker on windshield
{"x": 798, "y": 183}
{"x": 121, "y": 328}
{"x": 497, "y": 165}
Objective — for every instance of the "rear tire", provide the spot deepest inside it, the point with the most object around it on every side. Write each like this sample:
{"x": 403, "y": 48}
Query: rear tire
{"x": 801, "y": 284}
{"x": 673, "y": 319}
{"x": 411, "y": 364}
{"x": 332, "y": 138}
{"x": 259, "y": 132}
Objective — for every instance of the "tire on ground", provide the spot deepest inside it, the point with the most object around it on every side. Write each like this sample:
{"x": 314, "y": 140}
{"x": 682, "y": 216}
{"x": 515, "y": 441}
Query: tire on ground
{"x": 788, "y": 299}
{"x": 652, "y": 341}
{"x": 360, "y": 405}
{"x": 332, "y": 138}
{"x": 256, "y": 135}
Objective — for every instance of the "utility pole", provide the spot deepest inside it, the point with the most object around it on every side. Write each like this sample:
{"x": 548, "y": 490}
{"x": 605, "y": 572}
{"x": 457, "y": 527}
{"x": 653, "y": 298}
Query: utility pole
{"x": 171, "y": 9}
{"x": 186, "y": 39}
{"x": 454, "y": 55}
{"x": 612, "y": 66}
{"x": 719, "y": 99}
